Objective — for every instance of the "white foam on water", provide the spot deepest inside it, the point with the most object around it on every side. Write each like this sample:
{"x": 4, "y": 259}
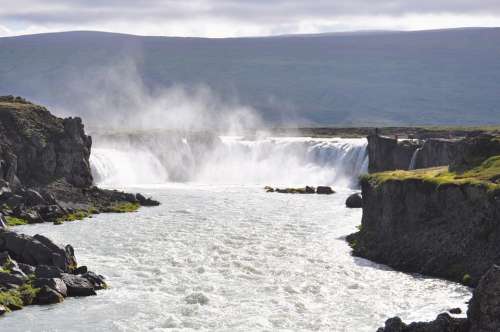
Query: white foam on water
{"x": 232, "y": 258}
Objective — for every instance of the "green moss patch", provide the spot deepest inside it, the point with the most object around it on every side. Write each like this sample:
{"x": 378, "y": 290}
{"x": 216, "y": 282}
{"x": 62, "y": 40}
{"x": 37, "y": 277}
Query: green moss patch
{"x": 15, "y": 299}
{"x": 13, "y": 221}
{"x": 123, "y": 207}
{"x": 487, "y": 174}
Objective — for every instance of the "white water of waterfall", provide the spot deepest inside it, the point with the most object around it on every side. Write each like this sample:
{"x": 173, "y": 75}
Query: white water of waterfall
{"x": 413, "y": 160}
{"x": 111, "y": 167}
{"x": 292, "y": 161}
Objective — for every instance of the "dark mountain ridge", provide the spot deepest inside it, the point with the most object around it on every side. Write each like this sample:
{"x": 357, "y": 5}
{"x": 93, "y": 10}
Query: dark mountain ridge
{"x": 440, "y": 77}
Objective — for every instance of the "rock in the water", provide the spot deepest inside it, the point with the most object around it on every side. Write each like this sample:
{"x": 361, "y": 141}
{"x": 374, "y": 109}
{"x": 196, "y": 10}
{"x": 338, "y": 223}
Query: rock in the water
{"x": 8, "y": 280}
{"x": 47, "y": 295}
{"x": 36, "y": 250}
{"x": 45, "y": 271}
{"x": 309, "y": 190}
{"x": 269, "y": 189}
{"x": 56, "y": 284}
{"x": 146, "y": 201}
{"x": 81, "y": 270}
{"x": 324, "y": 190}
{"x": 96, "y": 280}
{"x": 27, "y": 269}
{"x": 196, "y": 298}
{"x": 77, "y": 285}
{"x": 484, "y": 308}
{"x": 455, "y": 311}
{"x": 354, "y": 201}
{"x": 443, "y": 323}
{"x": 3, "y": 310}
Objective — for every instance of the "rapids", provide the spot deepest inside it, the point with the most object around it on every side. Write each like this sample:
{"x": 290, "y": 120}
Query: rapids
{"x": 220, "y": 254}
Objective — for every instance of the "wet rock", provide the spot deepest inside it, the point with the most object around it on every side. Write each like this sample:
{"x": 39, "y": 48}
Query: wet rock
{"x": 27, "y": 269}
{"x": 77, "y": 285}
{"x": 47, "y": 295}
{"x": 269, "y": 189}
{"x": 324, "y": 190}
{"x": 455, "y": 311}
{"x": 196, "y": 298}
{"x": 3, "y": 310}
{"x": 354, "y": 201}
{"x": 36, "y": 250}
{"x": 8, "y": 279}
{"x": 484, "y": 308}
{"x": 96, "y": 280}
{"x": 443, "y": 323}
{"x": 3, "y": 222}
{"x": 146, "y": 201}
{"x": 45, "y": 271}
{"x": 81, "y": 270}
{"x": 309, "y": 190}
{"x": 56, "y": 284}
{"x": 33, "y": 197}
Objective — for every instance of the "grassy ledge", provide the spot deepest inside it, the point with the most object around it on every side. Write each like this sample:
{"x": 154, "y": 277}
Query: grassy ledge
{"x": 487, "y": 174}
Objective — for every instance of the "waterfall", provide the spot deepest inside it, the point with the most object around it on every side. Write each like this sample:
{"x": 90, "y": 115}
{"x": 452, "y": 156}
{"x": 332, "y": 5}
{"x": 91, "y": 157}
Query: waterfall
{"x": 290, "y": 161}
{"x": 413, "y": 160}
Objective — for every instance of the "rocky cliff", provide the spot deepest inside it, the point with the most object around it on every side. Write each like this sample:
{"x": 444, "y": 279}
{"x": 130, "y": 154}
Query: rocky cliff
{"x": 37, "y": 148}
{"x": 385, "y": 153}
{"x": 432, "y": 221}
{"x": 44, "y": 168}
{"x": 390, "y": 154}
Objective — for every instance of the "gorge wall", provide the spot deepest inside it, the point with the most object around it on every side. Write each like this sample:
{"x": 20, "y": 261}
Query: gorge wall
{"x": 388, "y": 153}
{"x": 436, "y": 222}
{"x": 45, "y": 172}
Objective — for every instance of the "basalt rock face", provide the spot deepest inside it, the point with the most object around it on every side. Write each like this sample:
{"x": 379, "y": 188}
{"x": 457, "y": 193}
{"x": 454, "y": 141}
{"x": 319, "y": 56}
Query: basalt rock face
{"x": 37, "y": 148}
{"x": 385, "y": 153}
{"x": 450, "y": 231}
{"x": 436, "y": 152}
{"x": 45, "y": 173}
{"x": 472, "y": 151}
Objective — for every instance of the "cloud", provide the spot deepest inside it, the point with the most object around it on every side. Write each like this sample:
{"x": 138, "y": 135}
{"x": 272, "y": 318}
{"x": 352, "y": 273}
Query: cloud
{"x": 217, "y": 18}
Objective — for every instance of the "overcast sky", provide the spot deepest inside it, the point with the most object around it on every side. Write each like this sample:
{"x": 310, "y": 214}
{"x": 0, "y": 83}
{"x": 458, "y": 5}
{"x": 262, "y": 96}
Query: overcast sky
{"x": 229, "y": 18}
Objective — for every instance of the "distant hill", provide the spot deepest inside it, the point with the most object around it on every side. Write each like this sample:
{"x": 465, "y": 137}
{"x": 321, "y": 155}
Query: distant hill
{"x": 439, "y": 77}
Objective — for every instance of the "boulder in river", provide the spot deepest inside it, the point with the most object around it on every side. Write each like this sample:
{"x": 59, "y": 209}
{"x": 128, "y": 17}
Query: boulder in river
{"x": 354, "y": 201}
{"x": 36, "y": 270}
{"x": 324, "y": 190}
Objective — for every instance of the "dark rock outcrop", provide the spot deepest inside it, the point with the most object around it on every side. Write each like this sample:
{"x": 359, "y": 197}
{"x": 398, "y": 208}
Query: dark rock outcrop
{"x": 443, "y": 323}
{"x": 484, "y": 308}
{"x": 436, "y": 152}
{"x": 38, "y": 148}
{"x": 45, "y": 174}
{"x": 322, "y": 190}
{"x": 450, "y": 231}
{"x": 385, "y": 153}
{"x": 37, "y": 271}
{"x": 354, "y": 201}
{"x": 471, "y": 152}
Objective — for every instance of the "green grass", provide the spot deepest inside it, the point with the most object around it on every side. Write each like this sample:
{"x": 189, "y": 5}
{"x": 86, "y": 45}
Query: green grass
{"x": 13, "y": 221}
{"x": 486, "y": 174}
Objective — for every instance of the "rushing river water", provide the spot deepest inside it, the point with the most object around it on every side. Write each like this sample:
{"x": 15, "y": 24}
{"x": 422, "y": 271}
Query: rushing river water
{"x": 224, "y": 257}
